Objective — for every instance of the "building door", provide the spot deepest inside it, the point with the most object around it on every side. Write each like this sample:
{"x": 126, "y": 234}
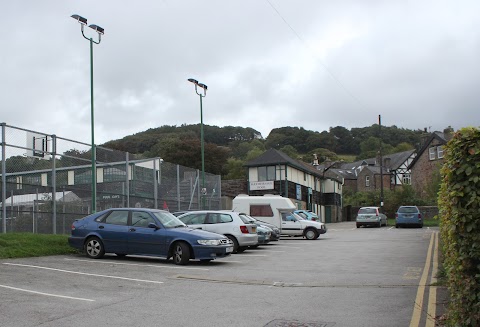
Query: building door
{"x": 328, "y": 214}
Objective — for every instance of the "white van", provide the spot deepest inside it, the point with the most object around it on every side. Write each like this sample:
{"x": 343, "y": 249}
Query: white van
{"x": 277, "y": 210}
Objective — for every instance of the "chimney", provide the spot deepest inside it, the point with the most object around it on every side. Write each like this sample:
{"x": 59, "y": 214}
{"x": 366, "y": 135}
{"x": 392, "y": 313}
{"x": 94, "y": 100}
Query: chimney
{"x": 315, "y": 159}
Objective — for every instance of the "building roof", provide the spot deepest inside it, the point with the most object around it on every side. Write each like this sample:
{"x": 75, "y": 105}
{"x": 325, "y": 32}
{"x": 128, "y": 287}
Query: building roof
{"x": 397, "y": 159}
{"x": 28, "y": 199}
{"x": 277, "y": 157}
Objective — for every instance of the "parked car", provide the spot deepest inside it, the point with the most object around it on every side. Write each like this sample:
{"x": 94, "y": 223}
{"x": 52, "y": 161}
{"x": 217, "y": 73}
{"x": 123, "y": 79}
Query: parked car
{"x": 264, "y": 234}
{"x": 179, "y": 213}
{"x": 275, "y": 231}
{"x": 371, "y": 216}
{"x": 408, "y": 216}
{"x": 307, "y": 214}
{"x": 236, "y": 227}
{"x": 150, "y": 232}
{"x": 295, "y": 225}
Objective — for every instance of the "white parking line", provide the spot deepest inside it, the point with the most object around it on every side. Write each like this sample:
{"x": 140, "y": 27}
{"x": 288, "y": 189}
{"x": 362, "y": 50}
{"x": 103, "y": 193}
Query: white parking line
{"x": 283, "y": 246}
{"x": 81, "y": 273}
{"x": 134, "y": 264}
{"x": 272, "y": 251}
{"x": 287, "y": 242}
{"x": 46, "y": 294}
{"x": 254, "y": 255}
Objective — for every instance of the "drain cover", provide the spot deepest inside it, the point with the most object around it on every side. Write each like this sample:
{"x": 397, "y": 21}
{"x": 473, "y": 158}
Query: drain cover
{"x": 297, "y": 323}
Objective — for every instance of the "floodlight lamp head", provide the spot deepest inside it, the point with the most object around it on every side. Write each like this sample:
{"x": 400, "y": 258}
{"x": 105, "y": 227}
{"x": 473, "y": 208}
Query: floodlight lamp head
{"x": 80, "y": 19}
{"x": 194, "y": 81}
{"x": 97, "y": 28}
{"x": 203, "y": 86}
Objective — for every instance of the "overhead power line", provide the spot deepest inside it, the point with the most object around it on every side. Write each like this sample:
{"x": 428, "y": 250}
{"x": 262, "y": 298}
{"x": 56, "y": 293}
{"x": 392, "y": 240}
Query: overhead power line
{"x": 332, "y": 75}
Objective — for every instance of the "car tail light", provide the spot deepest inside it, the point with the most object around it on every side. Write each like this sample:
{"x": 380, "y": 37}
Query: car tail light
{"x": 314, "y": 219}
{"x": 73, "y": 226}
{"x": 244, "y": 229}
{"x": 396, "y": 215}
{"x": 419, "y": 216}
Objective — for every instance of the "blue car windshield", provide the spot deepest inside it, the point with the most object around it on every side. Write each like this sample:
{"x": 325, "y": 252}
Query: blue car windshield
{"x": 168, "y": 220}
{"x": 408, "y": 210}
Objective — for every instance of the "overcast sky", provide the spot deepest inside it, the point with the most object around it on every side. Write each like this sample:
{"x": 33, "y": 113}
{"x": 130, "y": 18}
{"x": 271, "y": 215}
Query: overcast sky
{"x": 314, "y": 64}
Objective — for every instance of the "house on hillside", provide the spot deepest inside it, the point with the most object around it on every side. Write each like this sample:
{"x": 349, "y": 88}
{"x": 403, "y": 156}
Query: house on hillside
{"x": 366, "y": 175}
{"x": 428, "y": 161}
{"x": 274, "y": 172}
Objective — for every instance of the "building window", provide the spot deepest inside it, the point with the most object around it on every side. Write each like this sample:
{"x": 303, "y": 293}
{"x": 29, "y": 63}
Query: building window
{"x": 440, "y": 152}
{"x": 83, "y": 176}
{"x": 112, "y": 174}
{"x": 367, "y": 181}
{"x": 431, "y": 153}
{"x": 266, "y": 173}
{"x": 407, "y": 179}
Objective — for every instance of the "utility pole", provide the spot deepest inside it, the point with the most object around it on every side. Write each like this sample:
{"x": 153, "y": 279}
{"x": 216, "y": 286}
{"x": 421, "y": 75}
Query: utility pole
{"x": 381, "y": 161}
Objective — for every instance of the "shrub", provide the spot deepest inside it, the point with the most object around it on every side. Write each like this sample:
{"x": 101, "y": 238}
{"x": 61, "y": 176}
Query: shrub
{"x": 459, "y": 201}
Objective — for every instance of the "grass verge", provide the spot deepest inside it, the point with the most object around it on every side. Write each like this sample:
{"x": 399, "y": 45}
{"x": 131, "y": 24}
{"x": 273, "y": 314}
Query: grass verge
{"x": 21, "y": 245}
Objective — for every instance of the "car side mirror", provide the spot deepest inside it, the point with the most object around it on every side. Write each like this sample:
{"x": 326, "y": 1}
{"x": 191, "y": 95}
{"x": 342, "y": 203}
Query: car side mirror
{"x": 152, "y": 225}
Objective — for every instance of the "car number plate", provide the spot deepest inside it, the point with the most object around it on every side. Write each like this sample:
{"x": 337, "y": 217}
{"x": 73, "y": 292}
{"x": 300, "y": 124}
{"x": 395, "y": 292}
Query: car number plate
{"x": 229, "y": 249}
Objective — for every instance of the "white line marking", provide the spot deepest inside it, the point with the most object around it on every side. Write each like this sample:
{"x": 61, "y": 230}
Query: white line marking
{"x": 391, "y": 228}
{"x": 287, "y": 242}
{"x": 46, "y": 294}
{"x": 280, "y": 246}
{"x": 272, "y": 251}
{"x": 81, "y": 273}
{"x": 254, "y": 255}
{"x": 134, "y": 264}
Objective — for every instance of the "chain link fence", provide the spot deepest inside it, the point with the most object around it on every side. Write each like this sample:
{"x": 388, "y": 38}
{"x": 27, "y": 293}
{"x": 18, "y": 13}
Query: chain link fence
{"x": 47, "y": 182}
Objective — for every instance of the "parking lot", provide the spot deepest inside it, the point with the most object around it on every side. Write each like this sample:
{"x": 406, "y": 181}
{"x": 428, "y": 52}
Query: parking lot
{"x": 347, "y": 277}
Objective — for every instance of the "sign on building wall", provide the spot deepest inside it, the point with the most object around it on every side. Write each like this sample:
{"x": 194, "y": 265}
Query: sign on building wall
{"x": 299, "y": 192}
{"x": 265, "y": 185}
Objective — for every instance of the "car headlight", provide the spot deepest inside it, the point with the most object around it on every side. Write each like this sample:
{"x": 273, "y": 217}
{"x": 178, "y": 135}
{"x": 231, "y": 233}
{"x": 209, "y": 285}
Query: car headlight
{"x": 209, "y": 242}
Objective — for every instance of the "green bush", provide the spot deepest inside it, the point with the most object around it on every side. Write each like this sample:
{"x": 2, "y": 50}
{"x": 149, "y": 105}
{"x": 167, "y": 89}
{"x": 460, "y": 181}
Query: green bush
{"x": 459, "y": 211}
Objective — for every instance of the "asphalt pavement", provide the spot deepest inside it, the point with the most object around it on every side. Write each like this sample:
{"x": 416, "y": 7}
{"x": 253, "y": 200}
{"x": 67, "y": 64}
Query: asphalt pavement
{"x": 348, "y": 277}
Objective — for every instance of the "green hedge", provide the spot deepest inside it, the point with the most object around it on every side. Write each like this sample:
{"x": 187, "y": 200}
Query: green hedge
{"x": 459, "y": 209}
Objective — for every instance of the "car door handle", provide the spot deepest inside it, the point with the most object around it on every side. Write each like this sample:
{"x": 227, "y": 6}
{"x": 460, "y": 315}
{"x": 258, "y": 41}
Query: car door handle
{"x": 132, "y": 230}
{"x": 101, "y": 227}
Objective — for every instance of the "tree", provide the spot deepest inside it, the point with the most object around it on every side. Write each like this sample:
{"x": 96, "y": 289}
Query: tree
{"x": 234, "y": 169}
{"x": 290, "y": 151}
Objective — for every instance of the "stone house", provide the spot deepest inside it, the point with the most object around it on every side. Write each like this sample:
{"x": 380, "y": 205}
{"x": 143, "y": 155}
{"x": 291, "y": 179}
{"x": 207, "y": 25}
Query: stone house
{"x": 365, "y": 175}
{"x": 428, "y": 161}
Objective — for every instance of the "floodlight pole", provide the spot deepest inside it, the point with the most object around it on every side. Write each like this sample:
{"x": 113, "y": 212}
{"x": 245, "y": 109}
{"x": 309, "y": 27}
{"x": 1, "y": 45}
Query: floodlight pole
{"x": 202, "y": 146}
{"x": 100, "y": 31}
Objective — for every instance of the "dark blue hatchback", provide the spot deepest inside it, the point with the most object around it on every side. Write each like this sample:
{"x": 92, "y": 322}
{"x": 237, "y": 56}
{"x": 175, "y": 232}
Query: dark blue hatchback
{"x": 152, "y": 232}
{"x": 408, "y": 216}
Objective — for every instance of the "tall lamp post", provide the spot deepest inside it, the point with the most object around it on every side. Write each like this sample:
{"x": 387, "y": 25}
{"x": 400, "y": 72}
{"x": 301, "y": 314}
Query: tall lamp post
{"x": 100, "y": 31}
{"x": 201, "y": 95}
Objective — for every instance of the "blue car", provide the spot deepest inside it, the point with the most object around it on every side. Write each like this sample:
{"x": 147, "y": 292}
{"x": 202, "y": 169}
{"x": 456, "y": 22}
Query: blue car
{"x": 307, "y": 214}
{"x": 152, "y": 232}
{"x": 408, "y": 216}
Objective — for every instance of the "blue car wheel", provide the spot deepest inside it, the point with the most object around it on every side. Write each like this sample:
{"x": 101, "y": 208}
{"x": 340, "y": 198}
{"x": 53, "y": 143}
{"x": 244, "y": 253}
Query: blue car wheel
{"x": 94, "y": 248}
{"x": 181, "y": 253}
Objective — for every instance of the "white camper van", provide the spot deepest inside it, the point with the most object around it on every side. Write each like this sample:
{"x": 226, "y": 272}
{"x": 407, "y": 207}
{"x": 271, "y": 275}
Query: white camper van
{"x": 279, "y": 211}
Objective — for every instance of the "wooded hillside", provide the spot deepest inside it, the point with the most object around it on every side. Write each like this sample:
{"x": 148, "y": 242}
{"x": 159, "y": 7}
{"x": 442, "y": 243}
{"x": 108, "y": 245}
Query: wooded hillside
{"x": 228, "y": 148}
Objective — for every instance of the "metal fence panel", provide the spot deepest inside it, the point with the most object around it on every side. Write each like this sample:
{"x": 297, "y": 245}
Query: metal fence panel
{"x": 47, "y": 182}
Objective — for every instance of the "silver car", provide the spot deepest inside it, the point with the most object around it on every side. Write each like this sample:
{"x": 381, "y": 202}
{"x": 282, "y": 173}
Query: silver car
{"x": 233, "y": 225}
{"x": 371, "y": 216}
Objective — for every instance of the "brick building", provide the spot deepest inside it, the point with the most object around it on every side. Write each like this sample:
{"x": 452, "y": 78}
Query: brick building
{"x": 428, "y": 161}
